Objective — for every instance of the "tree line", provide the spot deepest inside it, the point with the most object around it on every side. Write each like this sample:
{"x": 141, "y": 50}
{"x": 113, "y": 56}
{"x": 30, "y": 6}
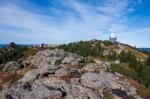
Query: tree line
{"x": 87, "y": 48}
{"x": 11, "y": 52}
{"x": 141, "y": 68}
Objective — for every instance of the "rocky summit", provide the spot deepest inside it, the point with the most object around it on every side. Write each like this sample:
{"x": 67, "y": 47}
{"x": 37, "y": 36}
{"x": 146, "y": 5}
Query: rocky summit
{"x": 56, "y": 74}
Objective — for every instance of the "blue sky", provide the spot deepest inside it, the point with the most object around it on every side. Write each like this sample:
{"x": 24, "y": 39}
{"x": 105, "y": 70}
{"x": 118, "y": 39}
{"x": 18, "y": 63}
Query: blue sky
{"x": 62, "y": 21}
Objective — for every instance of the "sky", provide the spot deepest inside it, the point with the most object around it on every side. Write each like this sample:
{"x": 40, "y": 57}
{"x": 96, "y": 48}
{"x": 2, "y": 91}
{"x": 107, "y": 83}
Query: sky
{"x": 63, "y": 21}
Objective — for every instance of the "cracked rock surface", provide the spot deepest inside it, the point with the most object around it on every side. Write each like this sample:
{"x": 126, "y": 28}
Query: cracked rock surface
{"x": 62, "y": 75}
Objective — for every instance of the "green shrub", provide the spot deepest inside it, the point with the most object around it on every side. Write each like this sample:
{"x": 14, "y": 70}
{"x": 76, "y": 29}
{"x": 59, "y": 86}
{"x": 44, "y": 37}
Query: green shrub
{"x": 83, "y": 48}
{"x": 87, "y": 48}
{"x": 127, "y": 72}
{"x": 12, "y": 53}
{"x": 107, "y": 42}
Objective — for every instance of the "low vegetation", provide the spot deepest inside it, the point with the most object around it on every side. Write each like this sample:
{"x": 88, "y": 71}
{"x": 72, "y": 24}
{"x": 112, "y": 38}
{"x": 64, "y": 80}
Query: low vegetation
{"x": 142, "y": 69}
{"x": 144, "y": 92}
{"x": 139, "y": 71}
{"x": 108, "y": 95}
{"x": 82, "y": 48}
{"x": 139, "y": 77}
{"x": 88, "y": 49}
{"x": 8, "y": 78}
{"x": 11, "y": 53}
{"x": 30, "y": 52}
{"x": 120, "y": 69}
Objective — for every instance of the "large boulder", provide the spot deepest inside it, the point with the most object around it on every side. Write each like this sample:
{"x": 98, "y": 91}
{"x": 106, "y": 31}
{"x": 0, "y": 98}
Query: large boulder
{"x": 80, "y": 92}
{"x": 95, "y": 81}
{"x": 56, "y": 61}
{"x": 16, "y": 91}
{"x": 73, "y": 59}
{"x": 64, "y": 90}
{"x": 56, "y": 57}
{"x": 103, "y": 64}
{"x": 12, "y": 65}
{"x": 38, "y": 60}
{"x": 31, "y": 75}
{"x": 61, "y": 72}
{"x": 70, "y": 72}
{"x": 68, "y": 60}
{"x": 44, "y": 92}
{"x": 92, "y": 67}
{"x": 49, "y": 69}
{"x": 75, "y": 81}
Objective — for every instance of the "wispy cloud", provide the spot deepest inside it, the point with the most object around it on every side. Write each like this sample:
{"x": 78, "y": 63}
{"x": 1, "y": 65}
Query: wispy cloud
{"x": 63, "y": 20}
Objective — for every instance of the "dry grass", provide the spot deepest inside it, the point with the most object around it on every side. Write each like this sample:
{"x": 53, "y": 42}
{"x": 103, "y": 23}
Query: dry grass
{"x": 70, "y": 65}
{"x": 107, "y": 95}
{"x": 136, "y": 52}
{"x": 144, "y": 92}
{"x": 126, "y": 66}
{"x": 127, "y": 48}
{"x": 12, "y": 77}
{"x": 8, "y": 78}
{"x": 30, "y": 52}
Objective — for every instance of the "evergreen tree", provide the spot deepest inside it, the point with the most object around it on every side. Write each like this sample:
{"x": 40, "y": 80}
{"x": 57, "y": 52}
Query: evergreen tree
{"x": 148, "y": 61}
{"x": 123, "y": 57}
{"x": 12, "y": 53}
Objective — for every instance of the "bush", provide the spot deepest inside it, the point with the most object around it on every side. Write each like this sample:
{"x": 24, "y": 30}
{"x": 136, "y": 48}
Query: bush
{"x": 83, "y": 48}
{"x": 124, "y": 71}
{"x": 148, "y": 61}
{"x": 107, "y": 43}
{"x": 12, "y": 54}
{"x": 87, "y": 48}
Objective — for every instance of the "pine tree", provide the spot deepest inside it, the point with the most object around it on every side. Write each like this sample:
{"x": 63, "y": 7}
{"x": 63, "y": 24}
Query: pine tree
{"x": 148, "y": 61}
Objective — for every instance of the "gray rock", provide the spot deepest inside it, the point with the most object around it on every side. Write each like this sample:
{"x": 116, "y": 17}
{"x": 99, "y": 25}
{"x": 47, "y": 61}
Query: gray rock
{"x": 38, "y": 61}
{"x": 103, "y": 64}
{"x": 79, "y": 92}
{"x": 16, "y": 91}
{"x": 68, "y": 60}
{"x": 92, "y": 67}
{"x": 44, "y": 92}
{"x": 31, "y": 75}
{"x": 70, "y": 72}
{"x": 51, "y": 69}
{"x": 132, "y": 90}
{"x": 61, "y": 72}
{"x": 75, "y": 81}
{"x": 56, "y": 61}
{"x": 95, "y": 81}
{"x": 56, "y": 57}
{"x": 12, "y": 65}
{"x": 73, "y": 59}
{"x": 68, "y": 91}
{"x": 65, "y": 81}
{"x": 40, "y": 89}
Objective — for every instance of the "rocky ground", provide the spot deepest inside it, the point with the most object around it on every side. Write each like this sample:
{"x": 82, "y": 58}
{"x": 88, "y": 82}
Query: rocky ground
{"x": 61, "y": 75}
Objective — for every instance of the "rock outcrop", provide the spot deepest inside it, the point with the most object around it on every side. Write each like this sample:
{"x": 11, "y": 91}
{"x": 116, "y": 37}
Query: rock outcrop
{"x": 12, "y": 65}
{"x": 61, "y": 75}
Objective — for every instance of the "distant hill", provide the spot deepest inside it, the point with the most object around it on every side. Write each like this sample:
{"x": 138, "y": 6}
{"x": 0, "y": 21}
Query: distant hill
{"x": 2, "y": 45}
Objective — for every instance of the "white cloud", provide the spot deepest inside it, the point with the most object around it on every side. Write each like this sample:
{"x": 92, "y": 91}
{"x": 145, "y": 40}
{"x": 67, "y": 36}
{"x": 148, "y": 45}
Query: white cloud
{"x": 92, "y": 21}
{"x": 137, "y": 37}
